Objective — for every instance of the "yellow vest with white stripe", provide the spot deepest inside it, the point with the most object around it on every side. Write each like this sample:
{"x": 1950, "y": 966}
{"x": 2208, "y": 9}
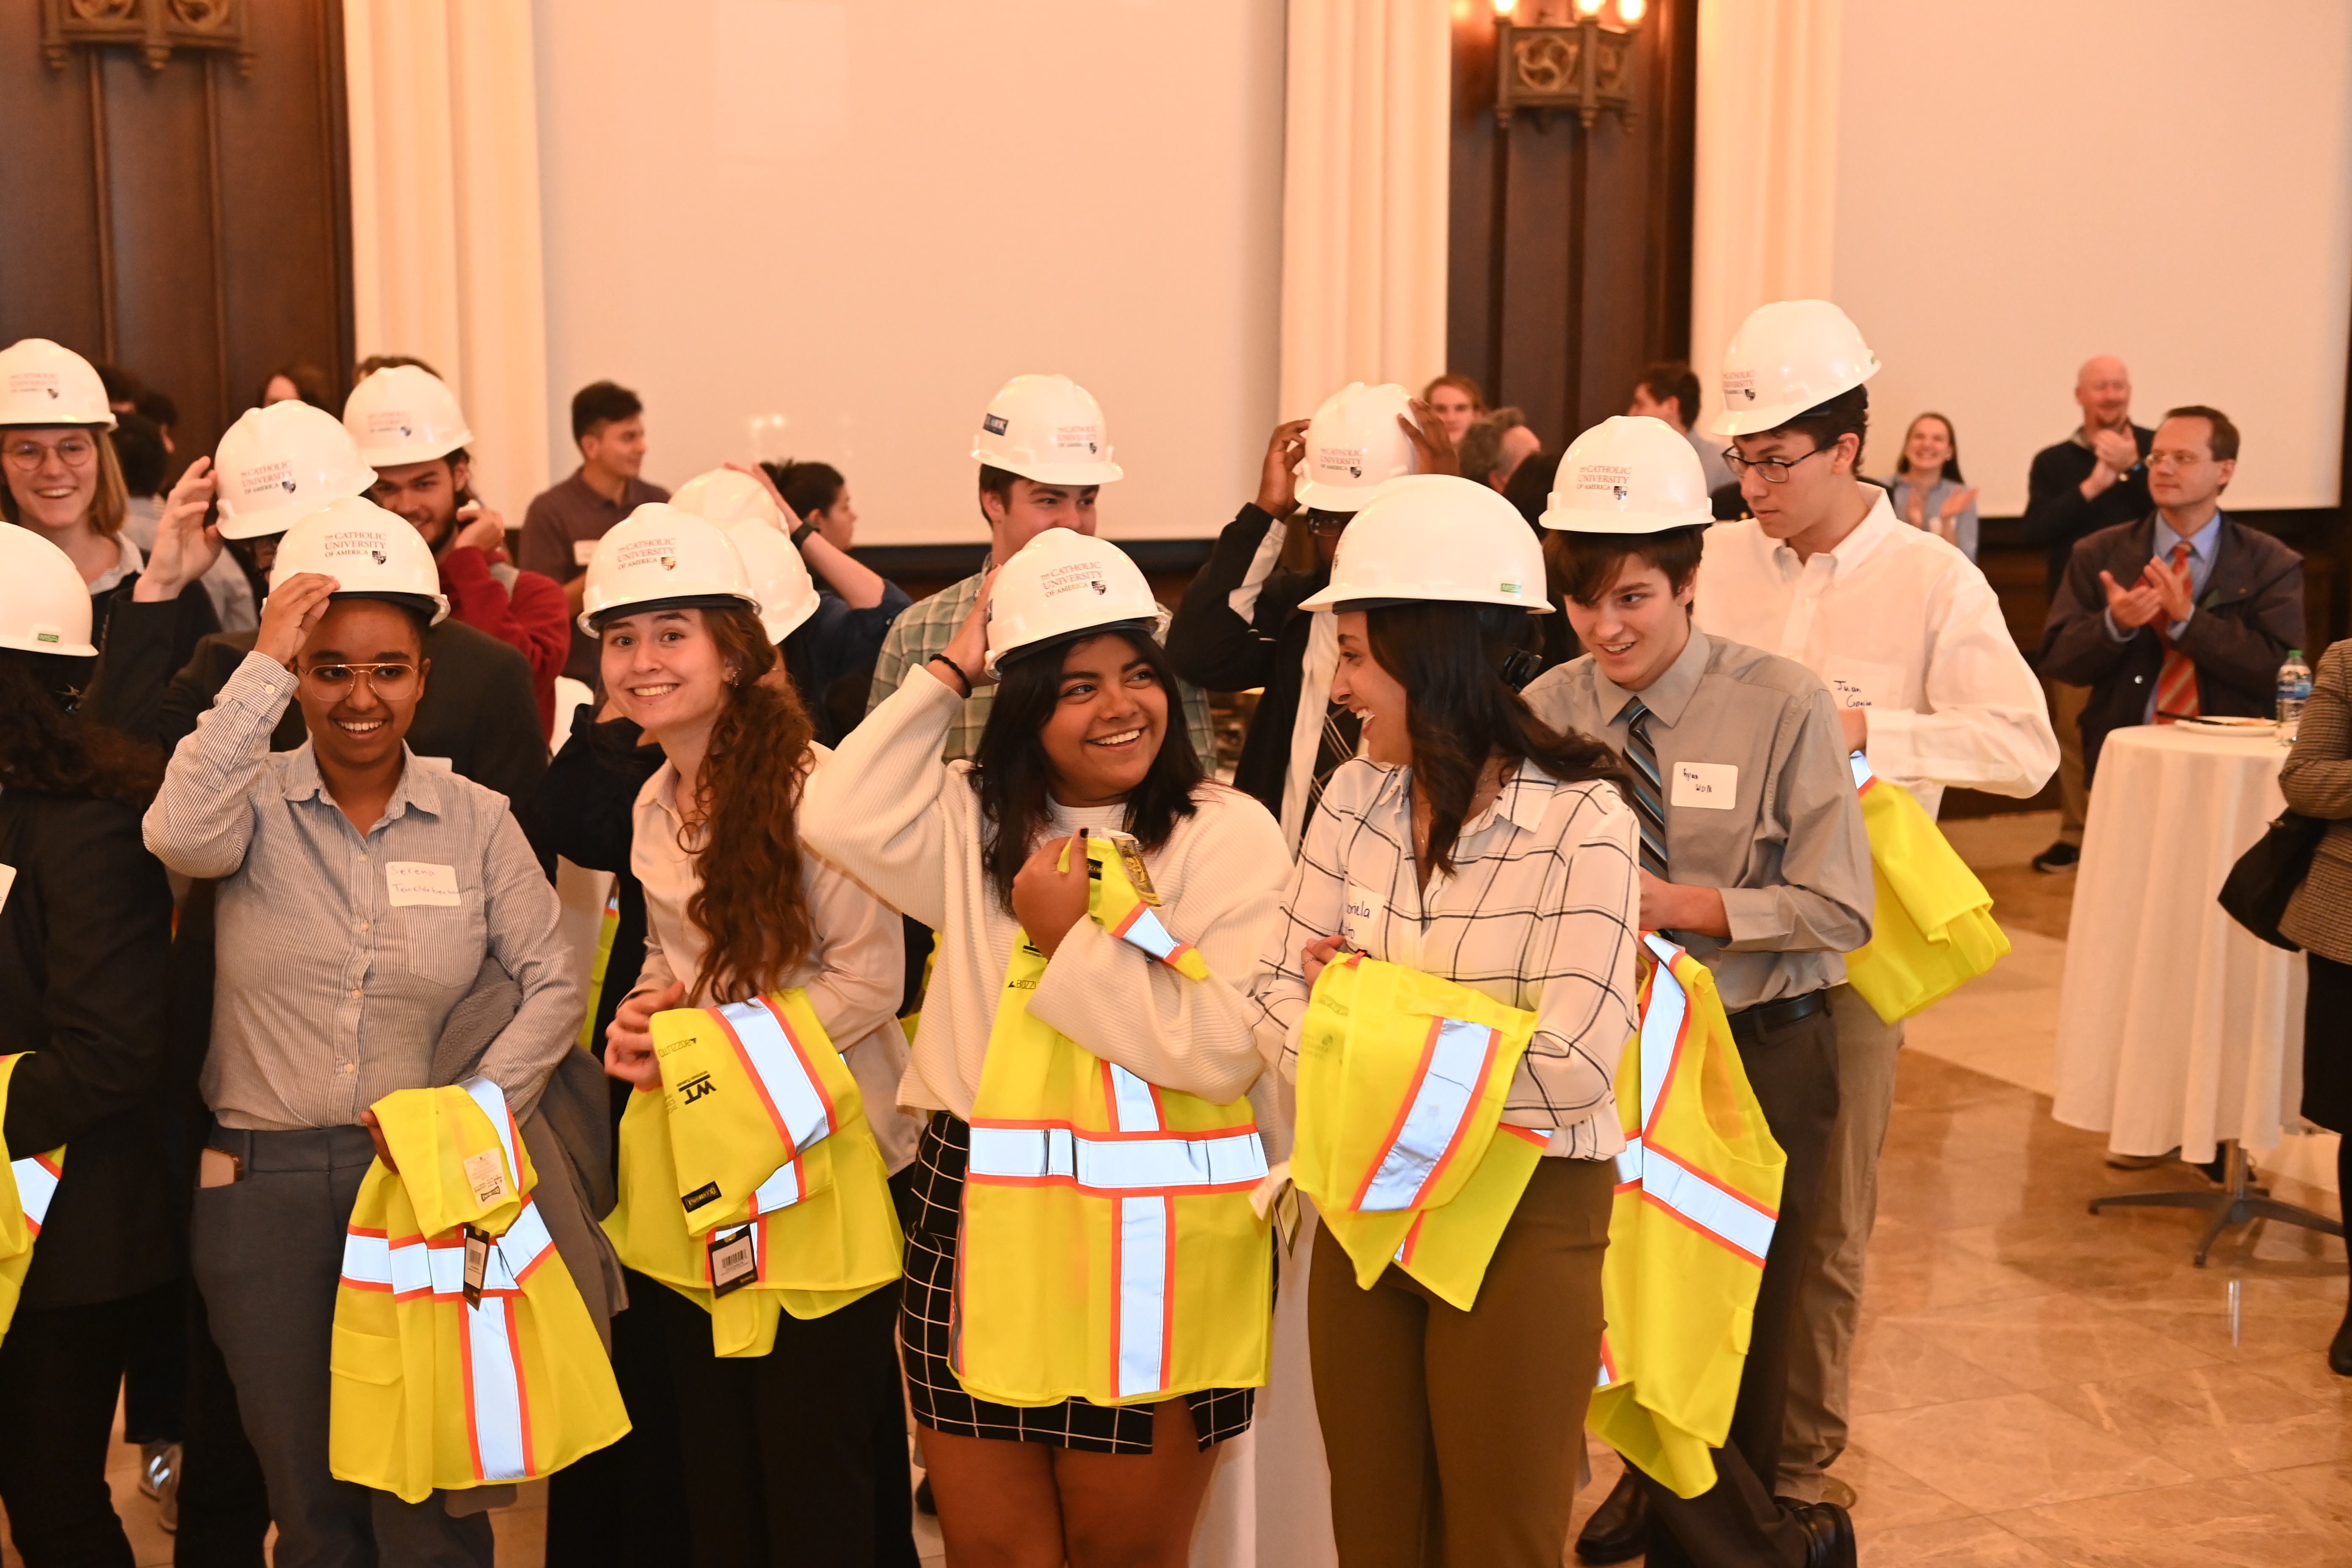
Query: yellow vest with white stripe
{"x": 606, "y": 925}
{"x": 428, "y": 1392}
{"x": 1108, "y": 1250}
{"x": 752, "y": 1084}
{"x": 1934, "y": 929}
{"x": 26, "y": 1185}
{"x": 1400, "y": 1141}
{"x": 1698, "y": 1190}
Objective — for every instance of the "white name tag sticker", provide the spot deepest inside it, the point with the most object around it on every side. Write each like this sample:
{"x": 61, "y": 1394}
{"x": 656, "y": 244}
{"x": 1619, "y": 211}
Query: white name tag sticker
{"x": 1709, "y": 786}
{"x": 1862, "y": 683}
{"x": 420, "y": 882}
{"x": 7, "y": 880}
{"x": 1360, "y": 911}
{"x": 581, "y": 549}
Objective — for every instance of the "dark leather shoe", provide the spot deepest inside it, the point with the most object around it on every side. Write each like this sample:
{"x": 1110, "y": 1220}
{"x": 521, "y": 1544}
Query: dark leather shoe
{"x": 1829, "y": 1535}
{"x": 2340, "y": 1349}
{"x": 1619, "y": 1529}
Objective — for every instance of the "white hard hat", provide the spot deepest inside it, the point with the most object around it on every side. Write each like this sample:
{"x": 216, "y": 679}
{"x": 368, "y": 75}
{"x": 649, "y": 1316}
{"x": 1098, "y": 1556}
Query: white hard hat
{"x": 405, "y": 413}
{"x": 660, "y": 555}
{"x": 1353, "y": 443}
{"x": 1048, "y": 428}
{"x": 1063, "y": 583}
{"x": 1437, "y": 536}
{"x": 1787, "y": 357}
{"x": 1629, "y": 475}
{"x": 728, "y": 498}
{"x": 370, "y": 553}
{"x": 44, "y": 603}
{"x": 779, "y": 578}
{"x": 279, "y": 464}
{"x": 42, "y": 382}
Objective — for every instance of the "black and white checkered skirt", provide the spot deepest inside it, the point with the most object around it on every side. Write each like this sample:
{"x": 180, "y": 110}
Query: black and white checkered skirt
{"x": 940, "y": 1401}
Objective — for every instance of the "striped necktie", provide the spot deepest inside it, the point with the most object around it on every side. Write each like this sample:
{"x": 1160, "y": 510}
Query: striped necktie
{"x": 2175, "y": 679}
{"x": 1649, "y": 795}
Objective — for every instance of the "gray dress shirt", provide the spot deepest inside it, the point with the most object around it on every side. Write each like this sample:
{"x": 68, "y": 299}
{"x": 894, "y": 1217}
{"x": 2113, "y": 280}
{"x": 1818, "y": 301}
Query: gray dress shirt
{"x": 339, "y": 955}
{"x": 1786, "y": 845}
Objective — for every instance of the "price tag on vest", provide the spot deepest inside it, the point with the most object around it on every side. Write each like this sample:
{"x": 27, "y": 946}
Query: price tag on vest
{"x": 478, "y": 1263}
{"x": 486, "y": 1173}
{"x": 733, "y": 1262}
{"x": 1709, "y": 786}
{"x": 419, "y": 882}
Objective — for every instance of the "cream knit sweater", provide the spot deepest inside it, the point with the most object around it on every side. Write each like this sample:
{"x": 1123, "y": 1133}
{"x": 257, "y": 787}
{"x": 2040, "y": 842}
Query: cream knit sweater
{"x": 888, "y": 812}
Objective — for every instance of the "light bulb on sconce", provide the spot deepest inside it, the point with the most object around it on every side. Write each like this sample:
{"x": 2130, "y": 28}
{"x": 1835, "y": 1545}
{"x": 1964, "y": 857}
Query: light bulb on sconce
{"x": 1505, "y": 7}
{"x": 1587, "y": 7}
{"x": 1630, "y": 11}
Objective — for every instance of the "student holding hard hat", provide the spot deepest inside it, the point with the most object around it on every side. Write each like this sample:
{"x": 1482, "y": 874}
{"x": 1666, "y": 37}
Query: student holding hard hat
{"x": 1087, "y": 1287}
{"x": 1753, "y": 860}
{"x": 87, "y": 1227}
{"x": 1466, "y": 890}
{"x": 1909, "y": 638}
{"x": 792, "y": 1433}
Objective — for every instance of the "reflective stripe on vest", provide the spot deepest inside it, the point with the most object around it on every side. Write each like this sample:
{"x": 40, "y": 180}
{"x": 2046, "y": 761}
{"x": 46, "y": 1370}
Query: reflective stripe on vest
{"x": 789, "y": 1087}
{"x": 1862, "y": 774}
{"x": 37, "y": 1183}
{"x": 1142, "y": 928}
{"x": 1455, "y": 1062}
{"x": 1608, "y": 1373}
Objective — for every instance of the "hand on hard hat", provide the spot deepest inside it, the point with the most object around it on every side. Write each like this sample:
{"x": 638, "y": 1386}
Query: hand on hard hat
{"x": 969, "y": 647}
{"x": 758, "y": 474}
{"x": 1361, "y": 436}
{"x": 1277, "y": 479}
{"x": 1432, "y": 444}
{"x": 184, "y": 547}
{"x": 481, "y": 528}
{"x": 287, "y": 616}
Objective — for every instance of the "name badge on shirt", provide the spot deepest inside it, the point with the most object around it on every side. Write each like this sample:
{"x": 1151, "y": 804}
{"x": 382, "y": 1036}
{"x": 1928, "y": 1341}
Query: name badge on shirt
{"x": 1359, "y": 913}
{"x": 421, "y": 882}
{"x": 1860, "y": 683}
{"x": 581, "y": 549}
{"x": 7, "y": 880}
{"x": 1709, "y": 786}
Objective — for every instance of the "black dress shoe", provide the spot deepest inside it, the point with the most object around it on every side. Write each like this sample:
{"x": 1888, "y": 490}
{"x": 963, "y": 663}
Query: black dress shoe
{"x": 1619, "y": 1529}
{"x": 924, "y": 1504}
{"x": 1829, "y": 1535}
{"x": 2340, "y": 1349}
{"x": 2059, "y": 856}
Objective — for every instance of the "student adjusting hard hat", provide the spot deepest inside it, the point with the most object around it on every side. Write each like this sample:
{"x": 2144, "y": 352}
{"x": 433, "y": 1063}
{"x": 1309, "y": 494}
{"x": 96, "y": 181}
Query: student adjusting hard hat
{"x": 1048, "y": 428}
{"x": 779, "y": 578}
{"x": 728, "y": 498}
{"x": 1354, "y": 443}
{"x": 42, "y": 382}
{"x": 277, "y": 465}
{"x": 370, "y": 553}
{"x": 1629, "y": 474}
{"x": 1436, "y": 536}
{"x": 1787, "y": 357}
{"x": 44, "y": 603}
{"x": 1064, "y": 585}
{"x": 405, "y": 413}
{"x": 661, "y": 557}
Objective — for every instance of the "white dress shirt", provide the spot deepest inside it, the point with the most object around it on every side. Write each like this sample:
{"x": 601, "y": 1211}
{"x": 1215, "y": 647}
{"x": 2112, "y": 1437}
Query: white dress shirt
{"x": 1897, "y": 621}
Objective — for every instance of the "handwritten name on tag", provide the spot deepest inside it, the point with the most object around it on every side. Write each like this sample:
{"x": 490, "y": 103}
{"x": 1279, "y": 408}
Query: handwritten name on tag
{"x": 421, "y": 882}
{"x": 1709, "y": 786}
{"x": 1360, "y": 910}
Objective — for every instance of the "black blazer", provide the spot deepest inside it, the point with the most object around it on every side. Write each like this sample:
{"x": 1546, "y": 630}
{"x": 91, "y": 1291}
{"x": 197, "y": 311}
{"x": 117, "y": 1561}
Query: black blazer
{"x": 85, "y": 945}
{"x": 2248, "y": 616}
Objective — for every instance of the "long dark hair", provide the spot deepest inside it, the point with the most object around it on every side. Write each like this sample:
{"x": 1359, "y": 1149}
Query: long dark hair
{"x": 1951, "y": 462}
{"x": 1009, "y": 766}
{"x": 747, "y": 899}
{"x": 45, "y": 749}
{"x": 1459, "y": 710}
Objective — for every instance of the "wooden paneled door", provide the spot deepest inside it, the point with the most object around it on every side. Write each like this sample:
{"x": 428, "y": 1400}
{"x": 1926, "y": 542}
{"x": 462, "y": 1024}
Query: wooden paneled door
{"x": 1569, "y": 245}
{"x": 187, "y": 217}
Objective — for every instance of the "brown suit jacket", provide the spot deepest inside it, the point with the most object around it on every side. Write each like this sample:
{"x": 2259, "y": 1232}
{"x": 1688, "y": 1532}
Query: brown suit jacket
{"x": 2318, "y": 782}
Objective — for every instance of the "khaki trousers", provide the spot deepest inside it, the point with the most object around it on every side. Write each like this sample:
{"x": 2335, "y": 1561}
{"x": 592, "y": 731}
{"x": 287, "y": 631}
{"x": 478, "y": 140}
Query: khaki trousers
{"x": 1821, "y": 1349}
{"x": 1453, "y": 1436}
{"x": 2067, "y": 705}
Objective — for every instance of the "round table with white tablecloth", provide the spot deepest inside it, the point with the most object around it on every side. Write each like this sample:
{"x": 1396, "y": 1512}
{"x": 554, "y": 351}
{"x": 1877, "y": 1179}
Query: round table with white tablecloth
{"x": 2177, "y": 1028}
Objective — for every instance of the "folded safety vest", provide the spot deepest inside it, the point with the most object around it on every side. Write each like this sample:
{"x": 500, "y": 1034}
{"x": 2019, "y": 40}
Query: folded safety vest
{"x": 1108, "y": 1249}
{"x": 26, "y": 1185}
{"x": 1698, "y": 1192}
{"x": 429, "y": 1391}
{"x": 606, "y": 925}
{"x": 749, "y": 1084}
{"x": 1400, "y": 1141}
{"x": 1934, "y": 929}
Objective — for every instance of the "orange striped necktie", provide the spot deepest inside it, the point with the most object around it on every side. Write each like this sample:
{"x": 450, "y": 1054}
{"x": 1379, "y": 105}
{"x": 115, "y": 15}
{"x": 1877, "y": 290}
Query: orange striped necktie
{"x": 2175, "y": 683}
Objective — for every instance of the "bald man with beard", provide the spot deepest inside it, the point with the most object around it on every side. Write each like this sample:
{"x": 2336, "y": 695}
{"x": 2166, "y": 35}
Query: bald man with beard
{"x": 2093, "y": 479}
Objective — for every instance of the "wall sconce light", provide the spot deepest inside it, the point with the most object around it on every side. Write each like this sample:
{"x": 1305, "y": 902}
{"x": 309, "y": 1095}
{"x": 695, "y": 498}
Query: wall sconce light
{"x": 1568, "y": 54}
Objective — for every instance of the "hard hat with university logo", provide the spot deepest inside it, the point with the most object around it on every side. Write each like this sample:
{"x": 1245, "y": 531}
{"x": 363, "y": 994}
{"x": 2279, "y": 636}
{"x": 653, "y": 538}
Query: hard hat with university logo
{"x": 44, "y": 603}
{"x": 42, "y": 382}
{"x": 662, "y": 557}
{"x": 1787, "y": 357}
{"x": 1353, "y": 445}
{"x": 1629, "y": 474}
{"x": 779, "y": 578}
{"x": 405, "y": 413}
{"x": 1064, "y": 585}
{"x": 277, "y": 465}
{"x": 728, "y": 498}
{"x": 1048, "y": 428}
{"x": 1436, "y": 537}
{"x": 370, "y": 553}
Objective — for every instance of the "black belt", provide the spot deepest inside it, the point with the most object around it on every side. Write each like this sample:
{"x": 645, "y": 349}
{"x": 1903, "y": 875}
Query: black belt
{"x": 1747, "y": 1025}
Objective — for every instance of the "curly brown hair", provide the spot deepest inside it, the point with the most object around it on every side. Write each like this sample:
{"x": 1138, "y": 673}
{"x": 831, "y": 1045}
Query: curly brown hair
{"x": 47, "y": 749}
{"x": 747, "y": 899}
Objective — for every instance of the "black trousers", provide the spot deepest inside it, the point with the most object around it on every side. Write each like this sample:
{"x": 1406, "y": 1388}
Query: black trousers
{"x": 1793, "y": 1069}
{"x": 59, "y": 1369}
{"x": 623, "y": 1504}
{"x": 224, "y": 1501}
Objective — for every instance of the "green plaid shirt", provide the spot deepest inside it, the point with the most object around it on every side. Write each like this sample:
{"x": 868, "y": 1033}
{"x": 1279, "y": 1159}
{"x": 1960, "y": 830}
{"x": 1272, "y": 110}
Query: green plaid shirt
{"x": 926, "y": 627}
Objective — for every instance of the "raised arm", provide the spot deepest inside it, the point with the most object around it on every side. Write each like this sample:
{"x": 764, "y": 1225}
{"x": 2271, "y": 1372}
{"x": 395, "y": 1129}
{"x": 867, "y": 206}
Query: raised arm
{"x": 875, "y": 808}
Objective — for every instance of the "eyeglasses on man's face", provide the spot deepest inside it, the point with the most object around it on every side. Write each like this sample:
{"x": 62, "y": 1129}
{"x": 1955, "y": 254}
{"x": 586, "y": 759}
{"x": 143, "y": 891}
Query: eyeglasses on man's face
{"x": 393, "y": 680}
{"x": 1774, "y": 470}
{"x": 25, "y": 455}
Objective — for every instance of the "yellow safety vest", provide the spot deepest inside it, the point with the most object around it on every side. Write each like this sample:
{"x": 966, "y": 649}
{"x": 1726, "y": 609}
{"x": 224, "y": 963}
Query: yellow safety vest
{"x": 1698, "y": 1190}
{"x": 430, "y": 1391}
{"x": 1400, "y": 1142}
{"x": 1108, "y": 1249}
{"x": 26, "y": 1185}
{"x": 596, "y": 968}
{"x": 749, "y": 1084}
{"x": 1934, "y": 929}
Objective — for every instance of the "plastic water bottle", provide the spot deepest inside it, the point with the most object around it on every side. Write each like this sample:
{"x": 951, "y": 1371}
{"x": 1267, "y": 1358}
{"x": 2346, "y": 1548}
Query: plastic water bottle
{"x": 2294, "y": 692}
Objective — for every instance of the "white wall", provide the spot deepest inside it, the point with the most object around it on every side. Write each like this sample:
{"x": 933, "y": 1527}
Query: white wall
{"x": 831, "y": 228}
{"x": 2021, "y": 186}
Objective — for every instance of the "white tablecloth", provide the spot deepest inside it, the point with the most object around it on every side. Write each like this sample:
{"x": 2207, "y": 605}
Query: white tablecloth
{"x": 2175, "y": 1027}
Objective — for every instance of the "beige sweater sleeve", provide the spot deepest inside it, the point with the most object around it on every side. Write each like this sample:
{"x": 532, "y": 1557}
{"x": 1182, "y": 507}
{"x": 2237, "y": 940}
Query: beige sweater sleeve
{"x": 875, "y": 810}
